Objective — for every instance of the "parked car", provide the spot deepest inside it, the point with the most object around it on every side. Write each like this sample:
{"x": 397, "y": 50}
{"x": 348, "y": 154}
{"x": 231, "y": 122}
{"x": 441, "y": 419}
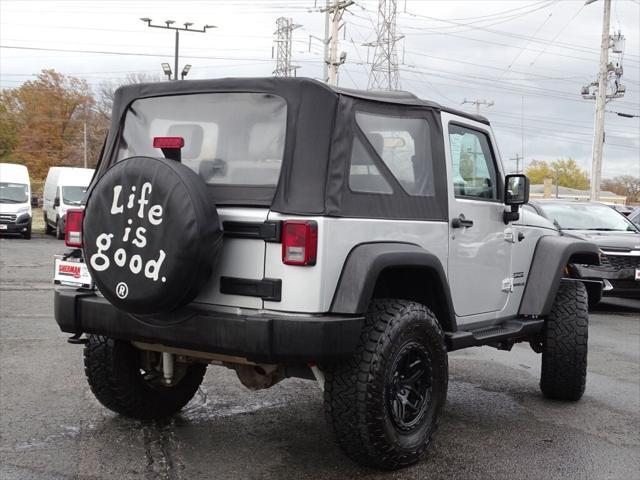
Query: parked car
{"x": 635, "y": 216}
{"x": 64, "y": 188}
{"x": 617, "y": 237}
{"x": 284, "y": 228}
{"x": 15, "y": 200}
{"x": 623, "y": 209}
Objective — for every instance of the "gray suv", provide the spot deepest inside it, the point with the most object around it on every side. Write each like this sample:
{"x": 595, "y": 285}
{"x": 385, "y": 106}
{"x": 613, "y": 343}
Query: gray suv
{"x": 284, "y": 228}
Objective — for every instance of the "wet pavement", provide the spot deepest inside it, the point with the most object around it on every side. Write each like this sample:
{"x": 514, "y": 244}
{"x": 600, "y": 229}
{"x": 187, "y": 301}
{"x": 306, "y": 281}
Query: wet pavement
{"x": 496, "y": 424}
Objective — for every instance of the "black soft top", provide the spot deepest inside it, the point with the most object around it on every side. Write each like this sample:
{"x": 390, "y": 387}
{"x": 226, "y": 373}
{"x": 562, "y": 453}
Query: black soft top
{"x": 320, "y": 133}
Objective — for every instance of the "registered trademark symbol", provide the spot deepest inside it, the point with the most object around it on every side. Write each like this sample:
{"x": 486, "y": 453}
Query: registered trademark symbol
{"x": 122, "y": 290}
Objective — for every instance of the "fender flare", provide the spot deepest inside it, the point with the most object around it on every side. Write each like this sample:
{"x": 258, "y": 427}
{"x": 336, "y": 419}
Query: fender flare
{"x": 551, "y": 255}
{"x": 366, "y": 262}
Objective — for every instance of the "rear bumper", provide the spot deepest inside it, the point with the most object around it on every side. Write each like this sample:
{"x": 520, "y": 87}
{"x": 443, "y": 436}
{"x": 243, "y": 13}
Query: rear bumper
{"x": 259, "y": 337}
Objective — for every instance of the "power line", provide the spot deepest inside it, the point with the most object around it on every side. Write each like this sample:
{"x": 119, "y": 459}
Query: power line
{"x": 567, "y": 46}
{"x": 515, "y": 59}
{"x": 134, "y": 54}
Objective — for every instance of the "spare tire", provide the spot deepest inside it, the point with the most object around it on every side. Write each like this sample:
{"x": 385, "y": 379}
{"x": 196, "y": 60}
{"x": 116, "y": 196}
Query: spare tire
{"x": 152, "y": 235}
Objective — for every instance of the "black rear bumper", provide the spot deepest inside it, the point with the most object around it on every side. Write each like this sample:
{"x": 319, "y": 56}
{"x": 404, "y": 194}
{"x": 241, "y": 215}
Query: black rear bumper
{"x": 259, "y": 337}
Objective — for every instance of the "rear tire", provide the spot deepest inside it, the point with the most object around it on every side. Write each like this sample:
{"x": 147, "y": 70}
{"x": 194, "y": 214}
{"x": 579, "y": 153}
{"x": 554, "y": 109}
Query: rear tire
{"x": 564, "y": 344}
{"x": 114, "y": 372}
{"x": 383, "y": 404}
{"x": 59, "y": 230}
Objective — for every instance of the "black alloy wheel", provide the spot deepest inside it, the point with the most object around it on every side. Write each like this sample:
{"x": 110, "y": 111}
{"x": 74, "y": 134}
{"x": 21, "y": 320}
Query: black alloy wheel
{"x": 409, "y": 387}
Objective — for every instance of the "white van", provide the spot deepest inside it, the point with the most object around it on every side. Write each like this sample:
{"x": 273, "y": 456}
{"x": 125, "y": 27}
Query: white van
{"x": 64, "y": 188}
{"x": 15, "y": 199}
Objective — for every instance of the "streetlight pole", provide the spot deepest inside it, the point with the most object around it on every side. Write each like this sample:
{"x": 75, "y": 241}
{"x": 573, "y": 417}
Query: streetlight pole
{"x": 187, "y": 28}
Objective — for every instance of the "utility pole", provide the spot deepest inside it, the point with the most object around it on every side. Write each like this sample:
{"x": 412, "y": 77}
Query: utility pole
{"x": 384, "y": 73}
{"x": 186, "y": 28}
{"x": 477, "y": 103}
{"x": 517, "y": 159}
{"x": 284, "y": 38}
{"x": 84, "y": 134}
{"x": 601, "y": 96}
{"x": 335, "y": 10}
{"x": 325, "y": 65}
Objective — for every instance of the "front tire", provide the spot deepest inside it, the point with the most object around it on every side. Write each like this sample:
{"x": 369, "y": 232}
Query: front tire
{"x": 383, "y": 404}
{"x": 48, "y": 229}
{"x": 124, "y": 380}
{"x": 564, "y": 344}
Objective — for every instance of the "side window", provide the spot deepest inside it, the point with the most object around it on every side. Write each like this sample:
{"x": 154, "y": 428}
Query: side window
{"x": 364, "y": 176}
{"x": 404, "y": 145}
{"x": 474, "y": 171}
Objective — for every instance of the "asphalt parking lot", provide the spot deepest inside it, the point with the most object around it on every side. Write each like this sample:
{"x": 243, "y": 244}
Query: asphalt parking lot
{"x": 496, "y": 423}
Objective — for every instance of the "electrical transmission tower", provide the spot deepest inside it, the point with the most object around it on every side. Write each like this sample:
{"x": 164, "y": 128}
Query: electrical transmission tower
{"x": 283, "y": 41}
{"x": 384, "y": 69}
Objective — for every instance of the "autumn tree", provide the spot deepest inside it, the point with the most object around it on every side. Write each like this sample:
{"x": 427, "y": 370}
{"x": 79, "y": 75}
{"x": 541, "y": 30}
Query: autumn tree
{"x": 49, "y": 114}
{"x": 566, "y": 171}
{"x": 8, "y": 131}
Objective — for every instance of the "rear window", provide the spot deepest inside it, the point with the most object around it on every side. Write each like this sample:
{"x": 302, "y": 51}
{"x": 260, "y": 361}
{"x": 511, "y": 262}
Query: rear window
{"x": 404, "y": 145}
{"x": 229, "y": 138}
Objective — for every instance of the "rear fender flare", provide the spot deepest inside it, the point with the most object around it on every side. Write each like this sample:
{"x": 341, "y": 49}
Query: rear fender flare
{"x": 366, "y": 262}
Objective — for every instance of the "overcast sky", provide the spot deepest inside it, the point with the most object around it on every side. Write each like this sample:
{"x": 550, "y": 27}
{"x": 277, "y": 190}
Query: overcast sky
{"x": 514, "y": 53}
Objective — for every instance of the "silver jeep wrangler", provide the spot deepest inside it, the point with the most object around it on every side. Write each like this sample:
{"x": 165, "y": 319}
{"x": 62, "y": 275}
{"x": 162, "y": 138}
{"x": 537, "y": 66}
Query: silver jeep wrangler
{"x": 284, "y": 228}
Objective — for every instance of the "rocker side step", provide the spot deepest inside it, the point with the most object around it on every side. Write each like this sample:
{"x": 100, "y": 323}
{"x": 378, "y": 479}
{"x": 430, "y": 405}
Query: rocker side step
{"x": 509, "y": 330}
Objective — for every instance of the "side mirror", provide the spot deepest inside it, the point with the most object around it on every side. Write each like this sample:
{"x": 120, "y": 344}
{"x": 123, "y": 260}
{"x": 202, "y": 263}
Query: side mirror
{"x": 516, "y": 189}
{"x": 56, "y": 202}
{"x": 516, "y": 193}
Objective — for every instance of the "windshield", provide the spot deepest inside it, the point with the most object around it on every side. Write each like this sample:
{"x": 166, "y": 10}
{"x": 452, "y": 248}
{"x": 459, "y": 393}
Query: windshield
{"x": 229, "y": 138}
{"x": 73, "y": 195}
{"x": 587, "y": 217}
{"x": 13, "y": 192}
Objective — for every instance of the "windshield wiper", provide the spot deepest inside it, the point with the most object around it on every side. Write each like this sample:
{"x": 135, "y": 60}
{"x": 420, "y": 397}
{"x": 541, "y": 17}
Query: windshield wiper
{"x": 557, "y": 225}
{"x": 10, "y": 200}
{"x": 605, "y": 229}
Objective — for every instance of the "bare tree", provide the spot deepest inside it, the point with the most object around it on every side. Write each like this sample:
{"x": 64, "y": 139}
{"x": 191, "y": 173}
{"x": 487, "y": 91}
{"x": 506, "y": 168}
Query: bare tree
{"x": 107, "y": 89}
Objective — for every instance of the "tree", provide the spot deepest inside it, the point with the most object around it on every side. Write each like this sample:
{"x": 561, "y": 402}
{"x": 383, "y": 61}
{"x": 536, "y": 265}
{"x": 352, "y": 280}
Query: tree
{"x": 8, "y": 131}
{"x": 537, "y": 171}
{"x": 566, "y": 172}
{"x": 626, "y": 185}
{"x": 107, "y": 90}
{"x": 50, "y": 113}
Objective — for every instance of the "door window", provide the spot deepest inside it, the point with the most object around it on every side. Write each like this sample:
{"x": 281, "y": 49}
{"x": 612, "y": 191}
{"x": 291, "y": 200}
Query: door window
{"x": 473, "y": 164}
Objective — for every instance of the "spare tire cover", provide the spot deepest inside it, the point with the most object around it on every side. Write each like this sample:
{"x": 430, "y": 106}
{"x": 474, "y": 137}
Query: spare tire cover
{"x": 151, "y": 235}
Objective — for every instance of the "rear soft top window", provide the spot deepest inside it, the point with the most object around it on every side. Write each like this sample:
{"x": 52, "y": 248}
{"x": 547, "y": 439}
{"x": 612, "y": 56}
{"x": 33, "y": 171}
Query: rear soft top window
{"x": 230, "y": 139}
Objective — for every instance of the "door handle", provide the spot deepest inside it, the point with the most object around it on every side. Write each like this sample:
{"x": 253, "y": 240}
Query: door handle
{"x": 460, "y": 221}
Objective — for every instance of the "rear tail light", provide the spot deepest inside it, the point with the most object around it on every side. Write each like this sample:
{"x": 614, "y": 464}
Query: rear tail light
{"x": 299, "y": 242}
{"x": 73, "y": 234}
